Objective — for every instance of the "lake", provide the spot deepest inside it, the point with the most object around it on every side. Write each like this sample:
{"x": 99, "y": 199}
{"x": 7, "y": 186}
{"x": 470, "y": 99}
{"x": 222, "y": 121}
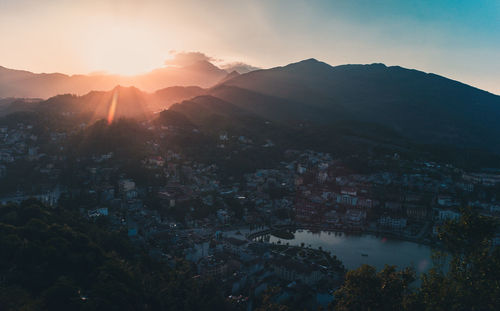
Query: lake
{"x": 357, "y": 249}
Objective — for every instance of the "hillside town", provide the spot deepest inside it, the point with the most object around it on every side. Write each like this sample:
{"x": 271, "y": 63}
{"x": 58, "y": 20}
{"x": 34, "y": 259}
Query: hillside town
{"x": 180, "y": 207}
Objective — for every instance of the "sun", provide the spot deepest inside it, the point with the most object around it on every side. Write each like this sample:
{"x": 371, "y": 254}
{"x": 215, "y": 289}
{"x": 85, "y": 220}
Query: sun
{"x": 121, "y": 49}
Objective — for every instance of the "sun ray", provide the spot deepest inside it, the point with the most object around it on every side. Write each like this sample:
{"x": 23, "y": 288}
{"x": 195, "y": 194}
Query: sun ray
{"x": 112, "y": 107}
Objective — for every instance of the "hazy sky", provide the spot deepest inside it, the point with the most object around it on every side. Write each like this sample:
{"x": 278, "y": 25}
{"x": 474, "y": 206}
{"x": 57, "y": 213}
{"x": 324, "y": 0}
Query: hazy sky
{"x": 454, "y": 38}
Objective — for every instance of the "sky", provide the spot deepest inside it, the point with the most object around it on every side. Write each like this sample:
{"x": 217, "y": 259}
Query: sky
{"x": 454, "y": 38}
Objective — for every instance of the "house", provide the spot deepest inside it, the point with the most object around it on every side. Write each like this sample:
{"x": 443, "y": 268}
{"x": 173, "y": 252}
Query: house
{"x": 345, "y": 199}
{"x": 444, "y": 215}
{"x": 417, "y": 212}
{"x": 133, "y": 229}
{"x": 466, "y": 186}
{"x": 435, "y": 230}
{"x": 130, "y": 194}
{"x": 223, "y": 136}
{"x": 444, "y": 200}
{"x": 412, "y": 197}
{"x": 298, "y": 181}
{"x": 348, "y": 191}
{"x": 234, "y": 246}
{"x": 365, "y": 203}
{"x": 98, "y": 212}
{"x": 293, "y": 270}
{"x": 322, "y": 177}
{"x": 301, "y": 169}
{"x": 331, "y": 218}
{"x": 210, "y": 267}
{"x": 306, "y": 211}
{"x": 156, "y": 161}
{"x": 496, "y": 239}
{"x": 107, "y": 193}
{"x": 355, "y": 217}
{"x": 134, "y": 205}
{"x": 393, "y": 206}
{"x": 126, "y": 185}
{"x": 223, "y": 216}
{"x": 394, "y": 223}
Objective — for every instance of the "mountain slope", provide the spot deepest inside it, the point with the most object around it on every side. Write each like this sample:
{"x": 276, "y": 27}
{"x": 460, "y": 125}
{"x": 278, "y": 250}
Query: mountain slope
{"x": 232, "y": 74}
{"x": 164, "y": 98}
{"x": 266, "y": 106}
{"x": 424, "y": 107}
{"x": 131, "y": 102}
{"x": 205, "y": 108}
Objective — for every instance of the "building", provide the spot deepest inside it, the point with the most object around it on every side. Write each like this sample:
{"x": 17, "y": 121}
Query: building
{"x": 210, "y": 267}
{"x": 293, "y": 270}
{"x": 307, "y": 211}
{"x": 355, "y": 217}
{"x": 223, "y": 216}
{"x": 445, "y": 200}
{"x": 366, "y": 203}
{"x": 445, "y": 214}
{"x": 394, "y": 223}
{"x": 331, "y": 218}
{"x": 346, "y": 199}
{"x": 417, "y": 212}
{"x": 393, "y": 206}
{"x": 98, "y": 212}
{"x": 322, "y": 177}
{"x": 126, "y": 185}
{"x": 349, "y": 191}
{"x": 157, "y": 161}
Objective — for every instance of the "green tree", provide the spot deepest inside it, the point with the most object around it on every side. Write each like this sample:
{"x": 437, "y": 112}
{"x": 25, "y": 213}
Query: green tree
{"x": 365, "y": 289}
{"x": 472, "y": 280}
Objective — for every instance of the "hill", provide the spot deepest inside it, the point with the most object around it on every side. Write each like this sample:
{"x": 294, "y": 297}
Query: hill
{"x": 131, "y": 102}
{"x": 425, "y": 108}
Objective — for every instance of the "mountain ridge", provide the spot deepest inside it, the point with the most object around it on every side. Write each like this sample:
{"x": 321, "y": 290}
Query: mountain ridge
{"x": 22, "y": 83}
{"x": 423, "y": 107}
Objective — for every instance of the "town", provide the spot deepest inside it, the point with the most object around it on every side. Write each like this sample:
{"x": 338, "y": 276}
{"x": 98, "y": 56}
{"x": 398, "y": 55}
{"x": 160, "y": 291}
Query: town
{"x": 178, "y": 205}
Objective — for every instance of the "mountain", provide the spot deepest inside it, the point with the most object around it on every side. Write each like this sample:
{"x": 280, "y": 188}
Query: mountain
{"x": 213, "y": 115}
{"x": 164, "y": 98}
{"x": 206, "y": 108}
{"x": 393, "y": 105}
{"x": 232, "y": 74}
{"x": 239, "y": 67}
{"x": 20, "y": 83}
{"x": 422, "y": 107}
{"x": 130, "y": 102}
{"x": 11, "y": 105}
{"x": 201, "y": 73}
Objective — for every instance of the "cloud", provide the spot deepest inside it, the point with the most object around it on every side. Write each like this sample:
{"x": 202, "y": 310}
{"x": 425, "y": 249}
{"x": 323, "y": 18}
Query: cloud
{"x": 239, "y": 67}
{"x": 181, "y": 59}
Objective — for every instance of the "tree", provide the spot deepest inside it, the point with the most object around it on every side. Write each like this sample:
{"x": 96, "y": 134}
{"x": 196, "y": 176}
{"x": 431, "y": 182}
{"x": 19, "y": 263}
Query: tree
{"x": 472, "y": 281}
{"x": 365, "y": 289}
{"x": 54, "y": 259}
{"x": 268, "y": 302}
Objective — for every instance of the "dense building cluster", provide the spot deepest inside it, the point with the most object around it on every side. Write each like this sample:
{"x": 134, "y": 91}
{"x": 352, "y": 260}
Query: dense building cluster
{"x": 179, "y": 205}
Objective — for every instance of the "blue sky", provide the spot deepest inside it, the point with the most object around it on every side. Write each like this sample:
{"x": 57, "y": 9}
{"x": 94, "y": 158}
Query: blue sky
{"x": 457, "y": 39}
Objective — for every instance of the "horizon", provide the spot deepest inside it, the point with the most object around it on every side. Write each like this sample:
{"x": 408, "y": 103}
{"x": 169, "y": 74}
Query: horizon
{"x": 452, "y": 39}
{"x": 104, "y": 73}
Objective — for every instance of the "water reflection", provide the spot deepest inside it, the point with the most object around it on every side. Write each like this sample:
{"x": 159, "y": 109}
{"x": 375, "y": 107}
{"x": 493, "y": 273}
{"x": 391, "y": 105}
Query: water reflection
{"x": 357, "y": 249}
